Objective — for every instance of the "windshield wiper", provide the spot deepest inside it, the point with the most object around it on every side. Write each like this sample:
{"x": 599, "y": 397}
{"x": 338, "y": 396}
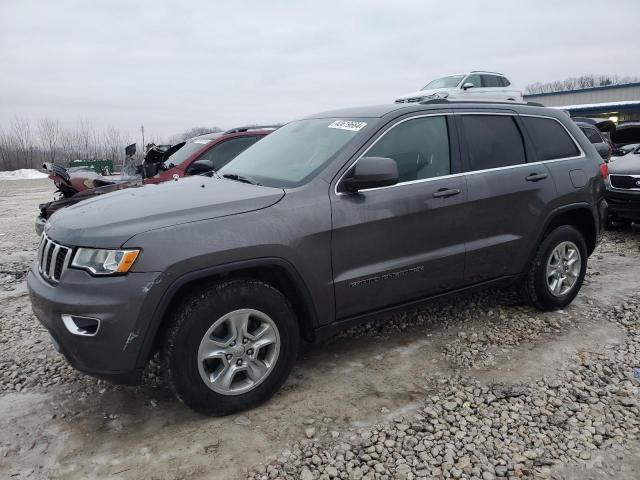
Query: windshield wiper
{"x": 239, "y": 178}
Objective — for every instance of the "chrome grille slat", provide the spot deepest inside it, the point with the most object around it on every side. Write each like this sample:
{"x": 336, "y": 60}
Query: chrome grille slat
{"x": 49, "y": 255}
{"x": 51, "y": 266}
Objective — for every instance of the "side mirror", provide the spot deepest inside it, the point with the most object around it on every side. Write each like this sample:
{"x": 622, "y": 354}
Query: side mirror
{"x": 200, "y": 166}
{"x": 371, "y": 172}
{"x": 467, "y": 86}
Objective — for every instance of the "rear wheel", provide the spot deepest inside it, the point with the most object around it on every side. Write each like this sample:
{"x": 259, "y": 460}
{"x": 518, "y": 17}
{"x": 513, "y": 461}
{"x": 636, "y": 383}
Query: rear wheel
{"x": 557, "y": 272}
{"x": 230, "y": 346}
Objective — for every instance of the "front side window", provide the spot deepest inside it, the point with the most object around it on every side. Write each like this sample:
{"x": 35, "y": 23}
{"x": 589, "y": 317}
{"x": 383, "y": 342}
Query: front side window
{"x": 420, "y": 148}
{"x": 550, "y": 139}
{"x": 296, "y": 152}
{"x": 223, "y": 152}
{"x": 474, "y": 79}
{"x": 493, "y": 141}
{"x": 444, "y": 82}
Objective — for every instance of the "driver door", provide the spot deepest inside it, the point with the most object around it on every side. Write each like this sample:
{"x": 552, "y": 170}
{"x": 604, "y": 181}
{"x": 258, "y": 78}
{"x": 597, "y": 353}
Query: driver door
{"x": 407, "y": 241}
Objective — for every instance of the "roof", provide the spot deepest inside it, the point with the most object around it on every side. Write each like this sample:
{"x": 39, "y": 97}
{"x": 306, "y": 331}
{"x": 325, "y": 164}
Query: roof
{"x": 589, "y": 89}
{"x": 378, "y": 111}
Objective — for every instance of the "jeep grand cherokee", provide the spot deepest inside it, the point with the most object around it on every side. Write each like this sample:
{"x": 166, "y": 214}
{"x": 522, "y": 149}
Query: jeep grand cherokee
{"x": 329, "y": 221}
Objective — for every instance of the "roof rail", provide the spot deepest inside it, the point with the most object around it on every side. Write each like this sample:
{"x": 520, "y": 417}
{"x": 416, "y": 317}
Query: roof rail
{"x": 251, "y": 127}
{"x": 486, "y": 71}
{"x": 445, "y": 100}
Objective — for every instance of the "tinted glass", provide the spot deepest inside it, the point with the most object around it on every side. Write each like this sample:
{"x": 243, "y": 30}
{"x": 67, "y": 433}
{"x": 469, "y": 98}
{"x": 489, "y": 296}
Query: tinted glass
{"x": 493, "y": 141}
{"x": 504, "y": 81}
{"x": 550, "y": 138}
{"x": 223, "y": 152}
{"x": 291, "y": 155}
{"x": 593, "y": 135}
{"x": 420, "y": 147}
{"x": 475, "y": 79}
{"x": 490, "y": 81}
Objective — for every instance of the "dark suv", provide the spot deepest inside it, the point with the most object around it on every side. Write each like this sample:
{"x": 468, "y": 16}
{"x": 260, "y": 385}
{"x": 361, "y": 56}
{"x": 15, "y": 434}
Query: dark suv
{"x": 329, "y": 221}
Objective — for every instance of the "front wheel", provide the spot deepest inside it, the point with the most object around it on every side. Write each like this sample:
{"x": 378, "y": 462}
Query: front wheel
{"x": 557, "y": 272}
{"x": 230, "y": 346}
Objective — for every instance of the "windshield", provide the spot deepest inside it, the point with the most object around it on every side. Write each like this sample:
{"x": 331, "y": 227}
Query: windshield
{"x": 184, "y": 152}
{"x": 444, "y": 82}
{"x": 291, "y": 155}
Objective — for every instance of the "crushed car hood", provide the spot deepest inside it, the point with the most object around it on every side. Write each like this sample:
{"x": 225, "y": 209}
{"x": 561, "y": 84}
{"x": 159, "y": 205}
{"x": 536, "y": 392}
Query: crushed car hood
{"x": 628, "y": 164}
{"x": 110, "y": 220}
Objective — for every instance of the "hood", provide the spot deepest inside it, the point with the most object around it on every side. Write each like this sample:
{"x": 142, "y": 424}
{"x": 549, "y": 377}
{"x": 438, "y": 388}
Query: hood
{"x": 110, "y": 220}
{"x": 628, "y": 164}
{"x": 423, "y": 93}
{"x": 626, "y": 133}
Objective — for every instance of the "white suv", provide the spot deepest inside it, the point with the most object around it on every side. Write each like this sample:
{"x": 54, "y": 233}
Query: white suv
{"x": 477, "y": 85}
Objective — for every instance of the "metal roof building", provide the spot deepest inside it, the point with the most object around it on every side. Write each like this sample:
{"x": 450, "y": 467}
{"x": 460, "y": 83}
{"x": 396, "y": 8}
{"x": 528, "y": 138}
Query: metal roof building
{"x": 618, "y": 102}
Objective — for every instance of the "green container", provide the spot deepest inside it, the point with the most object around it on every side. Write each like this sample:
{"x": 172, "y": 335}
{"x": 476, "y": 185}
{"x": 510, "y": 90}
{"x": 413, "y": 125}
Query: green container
{"x": 103, "y": 167}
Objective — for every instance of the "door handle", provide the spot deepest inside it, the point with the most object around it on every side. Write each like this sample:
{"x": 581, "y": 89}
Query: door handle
{"x": 446, "y": 192}
{"x": 536, "y": 177}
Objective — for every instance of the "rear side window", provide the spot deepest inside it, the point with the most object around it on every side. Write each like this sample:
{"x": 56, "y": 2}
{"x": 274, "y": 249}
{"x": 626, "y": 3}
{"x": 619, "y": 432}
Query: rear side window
{"x": 504, "y": 81}
{"x": 491, "y": 81}
{"x": 593, "y": 135}
{"x": 550, "y": 138}
{"x": 420, "y": 148}
{"x": 493, "y": 141}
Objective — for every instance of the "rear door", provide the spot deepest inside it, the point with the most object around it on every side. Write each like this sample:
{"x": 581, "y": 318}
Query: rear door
{"x": 508, "y": 194}
{"x": 395, "y": 244}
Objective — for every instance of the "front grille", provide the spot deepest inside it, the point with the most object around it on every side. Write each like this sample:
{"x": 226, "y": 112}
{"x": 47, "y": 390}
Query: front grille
{"x": 53, "y": 259}
{"x": 628, "y": 182}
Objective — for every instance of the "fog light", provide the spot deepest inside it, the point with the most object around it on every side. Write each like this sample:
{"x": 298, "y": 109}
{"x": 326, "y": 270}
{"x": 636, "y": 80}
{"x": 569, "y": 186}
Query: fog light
{"x": 83, "y": 326}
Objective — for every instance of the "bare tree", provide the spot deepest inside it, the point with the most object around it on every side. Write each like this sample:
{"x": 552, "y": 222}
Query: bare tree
{"x": 193, "y": 132}
{"x": 49, "y": 135}
{"x": 575, "y": 83}
{"x": 21, "y": 132}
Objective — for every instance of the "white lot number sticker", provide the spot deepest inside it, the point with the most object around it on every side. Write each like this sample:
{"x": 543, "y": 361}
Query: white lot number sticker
{"x": 203, "y": 141}
{"x": 348, "y": 125}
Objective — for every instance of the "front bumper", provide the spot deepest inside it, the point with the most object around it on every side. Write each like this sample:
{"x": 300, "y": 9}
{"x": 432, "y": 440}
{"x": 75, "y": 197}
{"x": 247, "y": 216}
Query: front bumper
{"x": 116, "y": 301}
{"x": 623, "y": 204}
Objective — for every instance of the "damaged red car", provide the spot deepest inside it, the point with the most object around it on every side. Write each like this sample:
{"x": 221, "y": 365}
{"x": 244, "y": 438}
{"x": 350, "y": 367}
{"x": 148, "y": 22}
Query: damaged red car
{"x": 194, "y": 156}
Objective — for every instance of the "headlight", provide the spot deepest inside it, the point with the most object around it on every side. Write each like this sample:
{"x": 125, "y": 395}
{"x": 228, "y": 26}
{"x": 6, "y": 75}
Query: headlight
{"x": 104, "y": 262}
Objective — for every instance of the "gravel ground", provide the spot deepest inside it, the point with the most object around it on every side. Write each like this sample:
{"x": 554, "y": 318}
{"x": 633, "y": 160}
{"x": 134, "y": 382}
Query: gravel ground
{"x": 478, "y": 387}
{"x": 471, "y": 430}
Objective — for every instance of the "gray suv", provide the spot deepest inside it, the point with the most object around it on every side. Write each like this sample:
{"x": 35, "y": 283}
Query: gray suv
{"x": 329, "y": 221}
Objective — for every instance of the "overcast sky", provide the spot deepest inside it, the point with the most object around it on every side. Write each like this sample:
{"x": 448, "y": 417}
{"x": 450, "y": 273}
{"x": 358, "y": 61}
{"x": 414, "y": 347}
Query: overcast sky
{"x": 179, "y": 64}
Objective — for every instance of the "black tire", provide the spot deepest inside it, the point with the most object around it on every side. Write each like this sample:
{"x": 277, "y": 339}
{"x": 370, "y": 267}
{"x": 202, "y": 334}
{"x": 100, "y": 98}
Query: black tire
{"x": 535, "y": 289}
{"x": 187, "y": 325}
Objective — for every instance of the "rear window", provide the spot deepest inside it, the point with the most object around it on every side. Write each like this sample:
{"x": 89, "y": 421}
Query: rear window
{"x": 493, "y": 141}
{"x": 550, "y": 138}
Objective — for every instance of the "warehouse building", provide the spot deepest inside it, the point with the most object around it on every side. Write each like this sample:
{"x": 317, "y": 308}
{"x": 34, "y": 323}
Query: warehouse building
{"x": 620, "y": 103}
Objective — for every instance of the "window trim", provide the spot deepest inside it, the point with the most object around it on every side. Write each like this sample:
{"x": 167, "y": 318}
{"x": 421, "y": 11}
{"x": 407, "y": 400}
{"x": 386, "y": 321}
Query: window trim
{"x": 453, "y": 175}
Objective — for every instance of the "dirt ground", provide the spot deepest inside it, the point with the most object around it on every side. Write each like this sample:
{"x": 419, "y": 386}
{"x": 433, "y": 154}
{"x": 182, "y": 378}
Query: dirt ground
{"x": 55, "y": 423}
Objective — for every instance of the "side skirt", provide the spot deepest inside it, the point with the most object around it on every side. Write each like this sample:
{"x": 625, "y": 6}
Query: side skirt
{"x": 327, "y": 331}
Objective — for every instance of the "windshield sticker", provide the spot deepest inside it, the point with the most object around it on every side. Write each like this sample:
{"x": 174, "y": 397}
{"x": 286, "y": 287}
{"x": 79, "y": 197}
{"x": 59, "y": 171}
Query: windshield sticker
{"x": 348, "y": 125}
{"x": 203, "y": 141}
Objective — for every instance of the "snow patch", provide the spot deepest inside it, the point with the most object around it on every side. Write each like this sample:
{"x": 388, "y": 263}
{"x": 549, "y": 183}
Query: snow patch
{"x": 22, "y": 174}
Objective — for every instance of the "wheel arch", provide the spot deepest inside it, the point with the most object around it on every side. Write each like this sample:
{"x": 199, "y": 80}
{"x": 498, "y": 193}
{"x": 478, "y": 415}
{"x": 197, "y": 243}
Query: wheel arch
{"x": 275, "y": 271}
{"x": 580, "y": 216}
